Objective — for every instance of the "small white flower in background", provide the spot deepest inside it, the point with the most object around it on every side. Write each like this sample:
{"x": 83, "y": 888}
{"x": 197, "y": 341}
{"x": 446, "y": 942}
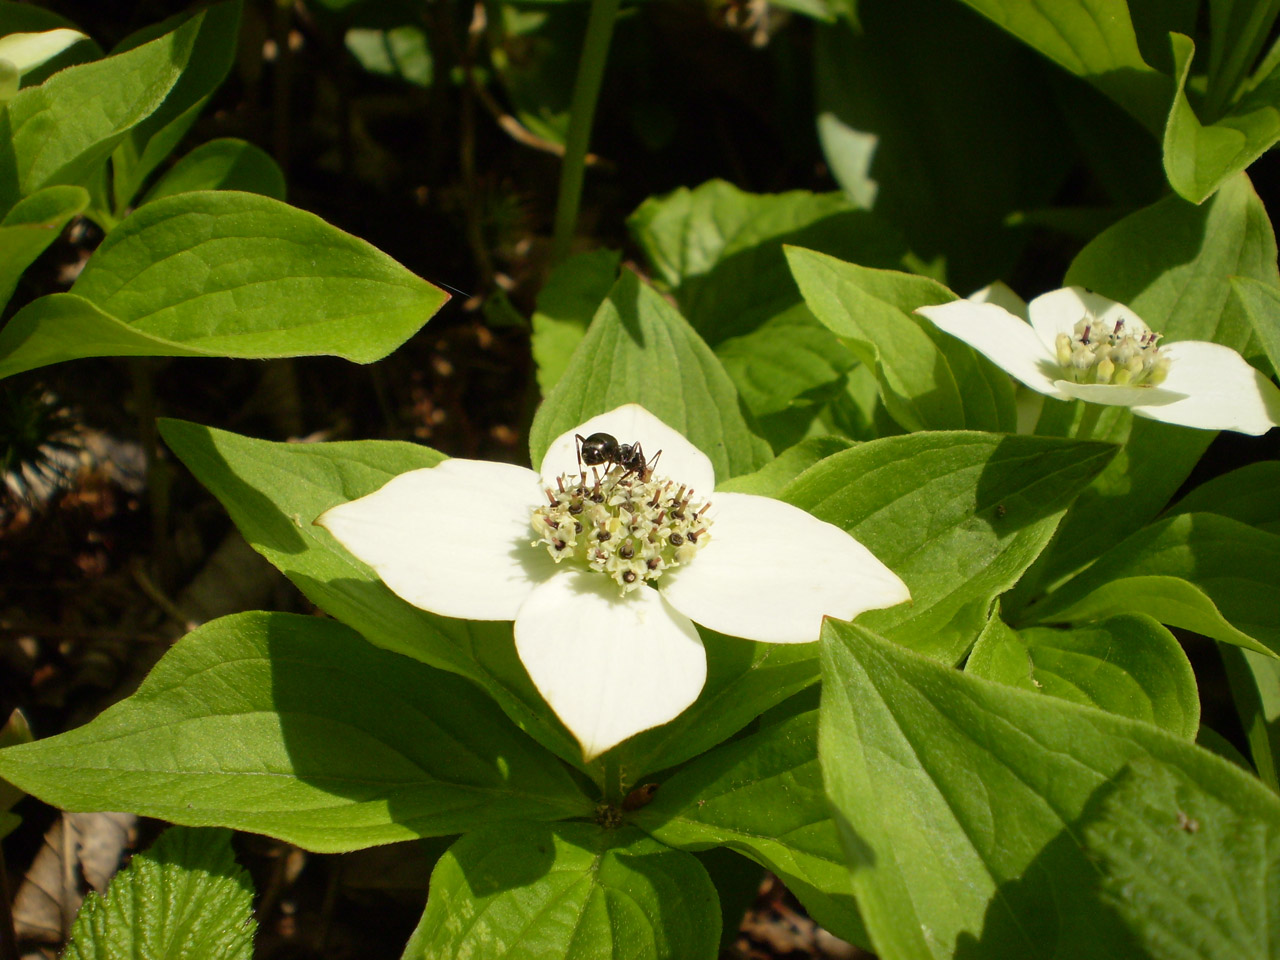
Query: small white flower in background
{"x": 604, "y": 579}
{"x": 1078, "y": 345}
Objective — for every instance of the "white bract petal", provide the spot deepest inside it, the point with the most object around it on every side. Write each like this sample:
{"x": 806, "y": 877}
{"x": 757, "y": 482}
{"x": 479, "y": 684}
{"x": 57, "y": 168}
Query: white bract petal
{"x": 1219, "y": 391}
{"x": 452, "y": 539}
{"x": 610, "y": 666}
{"x": 1088, "y": 347}
{"x": 1058, "y": 311}
{"x": 573, "y": 559}
{"x": 1115, "y": 395}
{"x": 771, "y": 572}
{"x": 1007, "y": 341}
{"x": 632, "y": 423}
{"x": 1002, "y": 296}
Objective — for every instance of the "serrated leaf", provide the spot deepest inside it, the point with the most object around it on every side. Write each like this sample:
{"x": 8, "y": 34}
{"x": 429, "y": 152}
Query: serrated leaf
{"x": 958, "y": 516}
{"x": 639, "y": 349}
{"x": 220, "y": 273}
{"x": 297, "y": 728}
{"x": 762, "y": 796}
{"x": 570, "y": 890}
{"x": 1127, "y": 665}
{"x": 963, "y": 804}
{"x": 226, "y": 164}
{"x": 29, "y": 228}
{"x": 273, "y": 492}
{"x": 1199, "y": 571}
{"x": 1191, "y": 870}
{"x": 719, "y": 249}
{"x": 186, "y": 898}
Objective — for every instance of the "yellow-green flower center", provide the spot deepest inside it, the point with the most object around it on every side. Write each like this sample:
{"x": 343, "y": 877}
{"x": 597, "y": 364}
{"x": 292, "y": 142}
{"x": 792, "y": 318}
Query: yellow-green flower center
{"x": 1112, "y": 351}
{"x": 624, "y": 525}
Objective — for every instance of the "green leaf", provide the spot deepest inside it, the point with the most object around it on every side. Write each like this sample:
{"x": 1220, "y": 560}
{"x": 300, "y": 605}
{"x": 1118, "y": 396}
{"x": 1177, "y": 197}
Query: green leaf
{"x": 186, "y": 898}
{"x": 570, "y": 890}
{"x": 295, "y": 727}
{"x": 1127, "y": 665}
{"x": 29, "y": 228}
{"x": 1198, "y": 571}
{"x": 963, "y": 804}
{"x": 1255, "y": 687}
{"x": 62, "y": 131}
{"x": 219, "y": 273}
{"x": 400, "y": 51}
{"x": 719, "y": 249}
{"x": 1247, "y": 494}
{"x": 1095, "y": 40}
{"x": 1237, "y": 33}
{"x": 928, "y": 381}
{"x": 1171, "y": 263}
{"x": 273, "y": 492}
{"x": 1261, "y": 304}
{"x": 958, "y": 516}
{"x": 762, "y": 796}
{"x": 790, "y": 362}
{"x": 1191, "y": 871}
{"x": 899, "y": 130}
{"x": 566, "y": 303}
{"x": 154, "y": 138}
{"x": 769, "y": 480}
{"x": 638, "y": 349}
{"x": 1199, "y": 158}
{"x": 744, "y": 679}
{"x": 226, "y": 164}
{"x": 535, "y": 50}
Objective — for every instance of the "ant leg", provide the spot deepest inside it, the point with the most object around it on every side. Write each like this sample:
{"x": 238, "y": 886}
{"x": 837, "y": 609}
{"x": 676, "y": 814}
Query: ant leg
{"x": 578, "y": 440}
{"x": 650, "y": 465}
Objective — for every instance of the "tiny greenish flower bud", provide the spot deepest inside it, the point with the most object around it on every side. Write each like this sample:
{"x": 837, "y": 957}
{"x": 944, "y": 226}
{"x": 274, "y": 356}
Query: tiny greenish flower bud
{"x": 637, "y": 526}
{"x": 1064, "y": 349}
{"x": 1101, "y": 351}
{"x": 1158, "y": 372}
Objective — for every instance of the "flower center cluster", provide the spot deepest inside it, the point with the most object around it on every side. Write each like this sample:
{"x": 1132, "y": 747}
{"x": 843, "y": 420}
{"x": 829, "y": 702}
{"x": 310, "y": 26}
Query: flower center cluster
{"x": 1122, "y": 352}
{"x": 627, "y": 525}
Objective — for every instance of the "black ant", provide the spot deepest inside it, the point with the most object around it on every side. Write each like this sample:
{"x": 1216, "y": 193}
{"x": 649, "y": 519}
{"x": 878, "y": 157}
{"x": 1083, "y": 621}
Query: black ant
{"x": 604, "y": 448}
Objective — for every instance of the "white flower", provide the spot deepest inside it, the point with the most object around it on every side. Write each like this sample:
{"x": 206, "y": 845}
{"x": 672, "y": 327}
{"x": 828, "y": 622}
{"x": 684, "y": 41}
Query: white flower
{"x": 612, "y": 655}
{"x": 1079, "y": 345}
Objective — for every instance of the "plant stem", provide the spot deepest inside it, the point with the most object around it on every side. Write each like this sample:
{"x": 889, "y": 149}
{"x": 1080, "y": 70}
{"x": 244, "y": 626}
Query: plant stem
{"x": 613, "y": 794}
{"x": 1088, "y": 420}
{"x": 582, "y": 110}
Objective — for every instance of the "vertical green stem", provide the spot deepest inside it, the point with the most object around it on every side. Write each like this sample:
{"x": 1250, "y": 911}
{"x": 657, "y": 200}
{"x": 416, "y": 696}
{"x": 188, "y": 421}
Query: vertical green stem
{"x": 582, "y": 111}
{"x": 1088, "y": 424}
{"x": 613, "y": 794}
